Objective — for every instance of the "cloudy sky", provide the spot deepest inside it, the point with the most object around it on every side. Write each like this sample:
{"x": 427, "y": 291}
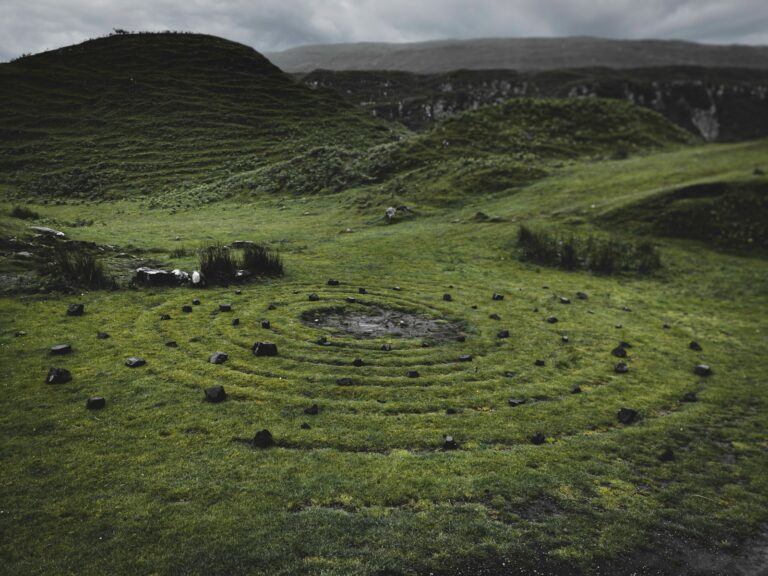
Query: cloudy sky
{"x": 269, "y": 25}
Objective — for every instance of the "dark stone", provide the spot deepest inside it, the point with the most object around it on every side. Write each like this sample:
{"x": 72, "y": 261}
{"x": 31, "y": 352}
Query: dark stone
{"x": 171, "y": 344}
{"x": 165, "y": 316}
{"x": 412, "y": 374}
{"x": 225, "y": 307}
{"x": 58, "y": 376}
{"x": 272, "y": 306}
{"x": 627, "y": 415}
{"x": 264, "y": 349}
{"x": 502, "y": 334}
{"x": 396, "y": 288}
{"x": 576, "y": 389}
{"x": 564, "y": 339}
{"x": 19, "y": 333}
{"x": 619, "y": 326}
{"x": 75, "y": 309}
{"x": 465, "y": 358}
{"x": 332, "y": 282}
{"x": 552, "y": 320}
{"x": 265, "y": 324}
{"x": 540, "y": 363}
{"x": 516, "y": 402}
{"x": 238, "y": 292}
{"x": 667, "y": 456}
{"x": 263, "y": 439}
{"x": 362, "y": 291}
{"x": 350, "y": 300}
{"x": 357, "y": 362}
{"x": 450, "y": 443}
{"x": 510, "y": 374}
{"x": 447, "y": 297}
{"x": 627, "y": 309}
{"x": 235, "y": 321}
{"x": 564, "y": 300}
{"x": 323, "y": 341}
{"x": 666, "y": 326}
{"x": 313, "y": 410}
{"x": 621, "y": 368}
{"x": 215, "y": 394}
{"x": 494, "y": 316}
{"x": 134, "y": 362}
{"x": 689, "y": 397}
{"x": 623, "y": 344}
{"x": 695, "y": 346}
{"x": 581, "y": 296}
{"x": 102, "y": 335}
{"x": 196, "y": 302}
{"x": 186, "y": 308}
{"x": 474, "y": 306}
{"x": 426, "y": 345}
{"x": 496, "y": 296}
{"x": 702, "y": 370}
{"x": 306, "y": 426}
{"x": 386, "y": 347}
{"x": 218, "y": 358}
{"x": 450, "y": 411}
{"x": 461, "y": 338}
{"x": 95, "y": 403}
{"x": 314, "y": 298}
{"x": 61, "y": 349}
{"x": 619, "y": 352}
{"x": 345, "y": 382}
{"x": 538, "y": 438}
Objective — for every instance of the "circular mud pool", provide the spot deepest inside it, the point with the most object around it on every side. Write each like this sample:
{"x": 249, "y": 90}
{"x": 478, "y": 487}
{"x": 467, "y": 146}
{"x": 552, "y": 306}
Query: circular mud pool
{"x": 379, "y": 322}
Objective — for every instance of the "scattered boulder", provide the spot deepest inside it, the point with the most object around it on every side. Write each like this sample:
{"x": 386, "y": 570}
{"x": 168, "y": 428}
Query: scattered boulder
{"x": 165, "y": 316}
{"x": 58, "y": 376}
{"x": 305, "y": 426}
{"x": 345, "y": 382}
{"x": 626, "y": 309}
{"x": 552, "y": 320}
{"x": 332, "y": 282}
{"x": 235, "y": 321}
{"x": 95, "y": 403}
{"x": 238, "y": 291}
{"x": 494, "y": 316}
{"x": 576, "y": 389}
{"x": 450, "y": 411}
{"x": 465, "y": 358}
{"x": 272, "y": 306}
{"x": 666, "y": 326}
{"x": 357, "y": 362}
{"x": 389, "y": 214}
{"x": 172, "y": 344}
{"x": 135, "y": 362}
{"x": 263, "y": 439}
{"x": 215, "y": 394}
{"x": 362, "y": 291}
{"x": 196, "y": 302}
{"x": 538, "y": 438}
{"x": 461, "y": 338}
{"x": 75, "y": 309}
{"x": 198, "y": 278}
{"x": 350, "y": 300}
{"x": 481, "y": 217}
{"x": 155, "y": 277}
{"x": 449, "y": 443}
{"x": 702, "y": 370}
{"x": 314, "y": 297}
{"x": 627, "y": 415}
{"x": 265, "y": 324}
{"x": 386, "y": 347}
{"x": 689, "y": 397}
{"x": 264, "y": 349}
{"x": 581, "y": 296}
{"x": 48, "y": 231}
{"x": 102, "y": 335}
{"x": 667, "y": 456}
{"x": 540, "y": 362}
{"x": 313, "y": 410}
{"x": 564, "y": 338}
{"x": 695, "y": 346}
{"x": 509, "y": 374}
{"x": 61, "y": 349}
{"x": 564, "y": 300}
{"x": 19, "y": 333}
{"x": 412, "y": 374}
{"x": 502, "y": 334}
{"x": 225, "y": 307}
{"x": 186, "y": 308}
{"x": 516, "y": 402}
{"x": 621, "y": 368}
{"x": 218, "y": 358}
{"x": 619, "y": 352}
{"x": 496, "y": 296}
{"x": 619, "y": 326}
{"x": 447, "y": 297}
{"x": 323, "y": 341}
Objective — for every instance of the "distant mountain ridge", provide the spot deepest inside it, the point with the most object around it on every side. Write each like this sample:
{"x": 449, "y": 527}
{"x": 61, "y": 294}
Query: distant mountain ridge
{"x": 517, "y": 54}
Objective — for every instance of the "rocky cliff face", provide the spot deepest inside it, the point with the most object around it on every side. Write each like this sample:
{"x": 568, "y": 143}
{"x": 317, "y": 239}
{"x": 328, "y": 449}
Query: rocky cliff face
{"x": 715, "y": 104}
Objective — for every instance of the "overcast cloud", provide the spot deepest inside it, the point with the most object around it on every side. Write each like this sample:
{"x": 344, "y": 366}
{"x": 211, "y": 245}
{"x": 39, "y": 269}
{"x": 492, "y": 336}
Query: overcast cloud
{"x": 270, "y": 25}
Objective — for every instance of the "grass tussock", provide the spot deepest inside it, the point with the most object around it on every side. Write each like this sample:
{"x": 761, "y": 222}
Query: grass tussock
{"x": 220, "y": 264}
{"x": 594, "y": 253}
{"x": 76, "y": 268}
{"x": 24, "y": 213}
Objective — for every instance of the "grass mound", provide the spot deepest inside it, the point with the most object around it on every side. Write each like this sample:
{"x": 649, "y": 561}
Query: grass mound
{"x": 221, "y": 264}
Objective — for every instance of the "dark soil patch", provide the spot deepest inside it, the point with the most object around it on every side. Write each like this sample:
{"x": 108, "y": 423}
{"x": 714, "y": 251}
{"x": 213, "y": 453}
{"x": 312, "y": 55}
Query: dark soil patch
{"x": 378, "y": 322}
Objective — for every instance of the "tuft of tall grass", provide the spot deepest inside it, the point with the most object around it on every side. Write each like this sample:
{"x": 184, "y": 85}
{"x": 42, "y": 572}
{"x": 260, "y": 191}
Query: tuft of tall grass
{"x": 24, "y": 213}
{"x": 220, "y": 264}
{"x": 70, "y": 267}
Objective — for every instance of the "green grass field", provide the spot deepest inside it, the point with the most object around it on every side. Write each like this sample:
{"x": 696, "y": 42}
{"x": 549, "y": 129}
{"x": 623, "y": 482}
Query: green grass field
{"x": 162, "y": 482}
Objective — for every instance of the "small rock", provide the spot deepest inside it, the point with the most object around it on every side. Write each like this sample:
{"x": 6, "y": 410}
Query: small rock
{"x": 619, "y": 326}
{"x": 312, "y": 410}
{"x": 386, "y": 347}
{"x": 396, "y": 288}
{"x": 264, "y": 349}
{"x": 332, "y": 282}
{"x": 564, "y": 300}
{"x": 621, "y": 368}
{"x": 538, "y": 438}
{"x": 357, "y": 362}
{"x": 447, "y": 297}
{"x": 95, "y": 403}
{"x": 496, "y": 296}
{"x": 702, "y": 370}
{"x": 626, "y": 309}
{"x": 272, "y": 306}
{"x": 510, "y": 374}
{"x": 502, "y": 334}
{"x": 350, "y": 300}
{"x": 695, "y": 346}
{"x": 225, "y": 307}
{"x": 306, "y": 426}
{"x": 235, "y": 321}
{"x": 362, "y": 291}
{"x": 564, "y": 339}
{"x": 450, "y": 443}
{"x": 450, "y": 411}
{"x": 186, "y": 308}
{"x": 461, "y": 338}
{"x": 218, "y": 358}
{"x": 474, "y": 306}
{"x": 581, "y": 296}
{"x": 345, "y": 382}
{"x": 619, "y": 352}
{"x": 666, "y": 326}
{"x": 623, "y": 344}
{"x": 516, "y": 402}
{"x": 314, "y": 297}
{"x": 263, "y": 439}
{"x": 552, "y": 320}
{"x": 465, "y": 358}
{"x": 494, "y": 316}
{"x": 172, "y": 344}
{"x": 134, "y": 362}
{"x": 539, "y": 363}
{"x": 61, "y": 349}
{"x": 75, "y": 309}
{"x": 58, "y": 376}
{"x": 265, "y": 324}
{"x": 102, "y": 335}
{"x": 323, "y": 341}
{"x": 689, "y": 397}
{"x": 165, "y": 316}
{"x": 667, "y": 456}
{"x": 215, "y": 394}
{"x": 412, "y": 374}
{"x": 238, "y": 292}
{"x": 576, "y": 389}
{"x": 196, "y": 302}
{"x": 627, "y": 415}
{"x": 19, "y": 333}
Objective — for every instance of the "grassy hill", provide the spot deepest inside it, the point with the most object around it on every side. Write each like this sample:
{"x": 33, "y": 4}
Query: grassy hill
{"x": 144, "y": 113}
